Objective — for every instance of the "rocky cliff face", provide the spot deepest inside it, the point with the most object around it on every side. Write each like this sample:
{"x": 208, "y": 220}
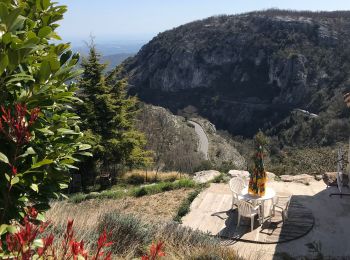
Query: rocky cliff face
{"x": 249, "y": 71}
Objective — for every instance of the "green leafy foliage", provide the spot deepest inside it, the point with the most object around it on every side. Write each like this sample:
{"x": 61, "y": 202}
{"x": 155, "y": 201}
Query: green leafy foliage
{"x": 38, "y": 151}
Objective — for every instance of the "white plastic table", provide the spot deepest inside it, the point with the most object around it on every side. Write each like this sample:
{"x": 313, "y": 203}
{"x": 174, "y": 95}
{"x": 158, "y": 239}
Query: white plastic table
{"x": 269, "y": 195}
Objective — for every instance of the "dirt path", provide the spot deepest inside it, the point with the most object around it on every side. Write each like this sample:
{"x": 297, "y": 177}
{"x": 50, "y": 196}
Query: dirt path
{"x": 203, "y": 139}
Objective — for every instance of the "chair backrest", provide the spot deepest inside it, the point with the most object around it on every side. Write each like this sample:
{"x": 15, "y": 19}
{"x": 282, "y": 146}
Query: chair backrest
{"x": 283, "y": 201}
{"x": 237, "y": 185}
{"x": 245, "y": 209}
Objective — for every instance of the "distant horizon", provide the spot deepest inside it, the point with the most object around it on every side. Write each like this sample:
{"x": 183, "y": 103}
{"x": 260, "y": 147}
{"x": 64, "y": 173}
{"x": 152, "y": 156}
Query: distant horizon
{"x": 136, "y": 22}
{"x": 143, "y": 38}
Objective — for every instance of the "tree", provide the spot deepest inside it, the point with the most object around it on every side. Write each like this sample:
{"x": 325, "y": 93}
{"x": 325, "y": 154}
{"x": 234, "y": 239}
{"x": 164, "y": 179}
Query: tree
{"x": 39, "y": 131}
{"x": 108, "y": 120}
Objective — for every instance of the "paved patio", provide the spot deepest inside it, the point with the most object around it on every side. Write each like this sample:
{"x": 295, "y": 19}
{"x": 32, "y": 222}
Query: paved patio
{"x": 312, "y": 208}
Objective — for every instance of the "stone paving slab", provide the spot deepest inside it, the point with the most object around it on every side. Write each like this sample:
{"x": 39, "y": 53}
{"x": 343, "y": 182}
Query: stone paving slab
{"x": 331, "y": 228}
{"x": 211, "y": 213}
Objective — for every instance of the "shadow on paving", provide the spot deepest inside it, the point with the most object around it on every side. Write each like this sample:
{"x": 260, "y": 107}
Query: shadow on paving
{"x": 330, "y": 236}
{"x": 300, "y": 221}
{"x": 318, "y": 219}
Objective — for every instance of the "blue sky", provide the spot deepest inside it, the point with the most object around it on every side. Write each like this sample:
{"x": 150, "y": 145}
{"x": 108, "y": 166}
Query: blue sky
{"x": 140, "y": 20}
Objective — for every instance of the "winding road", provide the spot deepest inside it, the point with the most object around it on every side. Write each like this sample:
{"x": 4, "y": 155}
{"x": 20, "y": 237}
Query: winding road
{"x": 203, "y": 139}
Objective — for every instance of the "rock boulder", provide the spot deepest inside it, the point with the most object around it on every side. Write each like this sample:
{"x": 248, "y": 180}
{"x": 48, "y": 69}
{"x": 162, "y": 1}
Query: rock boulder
{"x": 302, "y": 178}
{"x": 330, "y": 178}
{"x": 205, "y": 176}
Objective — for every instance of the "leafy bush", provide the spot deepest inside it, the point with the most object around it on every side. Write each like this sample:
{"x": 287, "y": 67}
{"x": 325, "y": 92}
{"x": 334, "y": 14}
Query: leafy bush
{"x": 24, "y": 242}
{"x": 135, "y": 234}
{"x": 39, "y": 132}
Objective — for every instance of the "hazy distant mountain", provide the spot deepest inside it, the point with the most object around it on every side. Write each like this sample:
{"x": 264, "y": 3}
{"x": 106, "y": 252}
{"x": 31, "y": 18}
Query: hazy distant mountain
{"x": 115, "y": 59}
{"x": 111, "y": 48}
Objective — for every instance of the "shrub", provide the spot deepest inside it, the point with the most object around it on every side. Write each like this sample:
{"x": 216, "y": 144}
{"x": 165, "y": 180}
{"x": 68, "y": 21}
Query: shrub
{"x": 220, "y": 178}
{"x": 225, "y": 167}
{"x": 184, "y": 243}
{"x": 186, "y": 204}
{"x": 204, "y": 166}
{"x": 163, "y": 186}
{"x": 153, "y": 176}
{"x": 135, "y": 179}
{"x": 154, "y": 252}
{"x": 139, "y": 192}
{"x": 111, "y": 194}
{"x": 77, "y": 198}
{"x": 179, "y": 235}
{"x": 39, "y": 132}
{"x": 135, "y": 234}
{"x": 24, "y": 243}
{"x": 116, "y": 193}
{"x": 166, "y": 186}
{"x": 184, "y": 183}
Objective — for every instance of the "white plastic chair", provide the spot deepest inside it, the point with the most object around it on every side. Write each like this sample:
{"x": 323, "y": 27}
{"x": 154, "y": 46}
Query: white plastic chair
{"x": 281, "y": 204}
{"x": 236, "y": 185}
{"x": 246, "y": 209}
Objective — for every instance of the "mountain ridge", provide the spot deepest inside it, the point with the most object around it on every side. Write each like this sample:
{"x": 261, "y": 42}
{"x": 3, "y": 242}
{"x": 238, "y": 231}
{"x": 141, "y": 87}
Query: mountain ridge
{"x": 249, "y": 71}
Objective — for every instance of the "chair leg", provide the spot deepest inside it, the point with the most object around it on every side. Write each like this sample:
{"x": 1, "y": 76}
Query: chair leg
{"x": 252, "y": 223}
{"x": 283, "y": 216}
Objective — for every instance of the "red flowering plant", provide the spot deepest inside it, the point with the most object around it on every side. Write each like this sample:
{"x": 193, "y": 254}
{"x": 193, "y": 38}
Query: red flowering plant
{"x": 155, "y": 252}
{"x": 39, "y": 131}
{"x": 24, "y": 244}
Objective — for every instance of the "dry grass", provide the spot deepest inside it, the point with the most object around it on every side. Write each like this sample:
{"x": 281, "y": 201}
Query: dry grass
{"x": 153, "y": 176}
{"x": 162, "y": 206}
{"x": 88, "y": 214}
{"x": 135, "y": 222}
